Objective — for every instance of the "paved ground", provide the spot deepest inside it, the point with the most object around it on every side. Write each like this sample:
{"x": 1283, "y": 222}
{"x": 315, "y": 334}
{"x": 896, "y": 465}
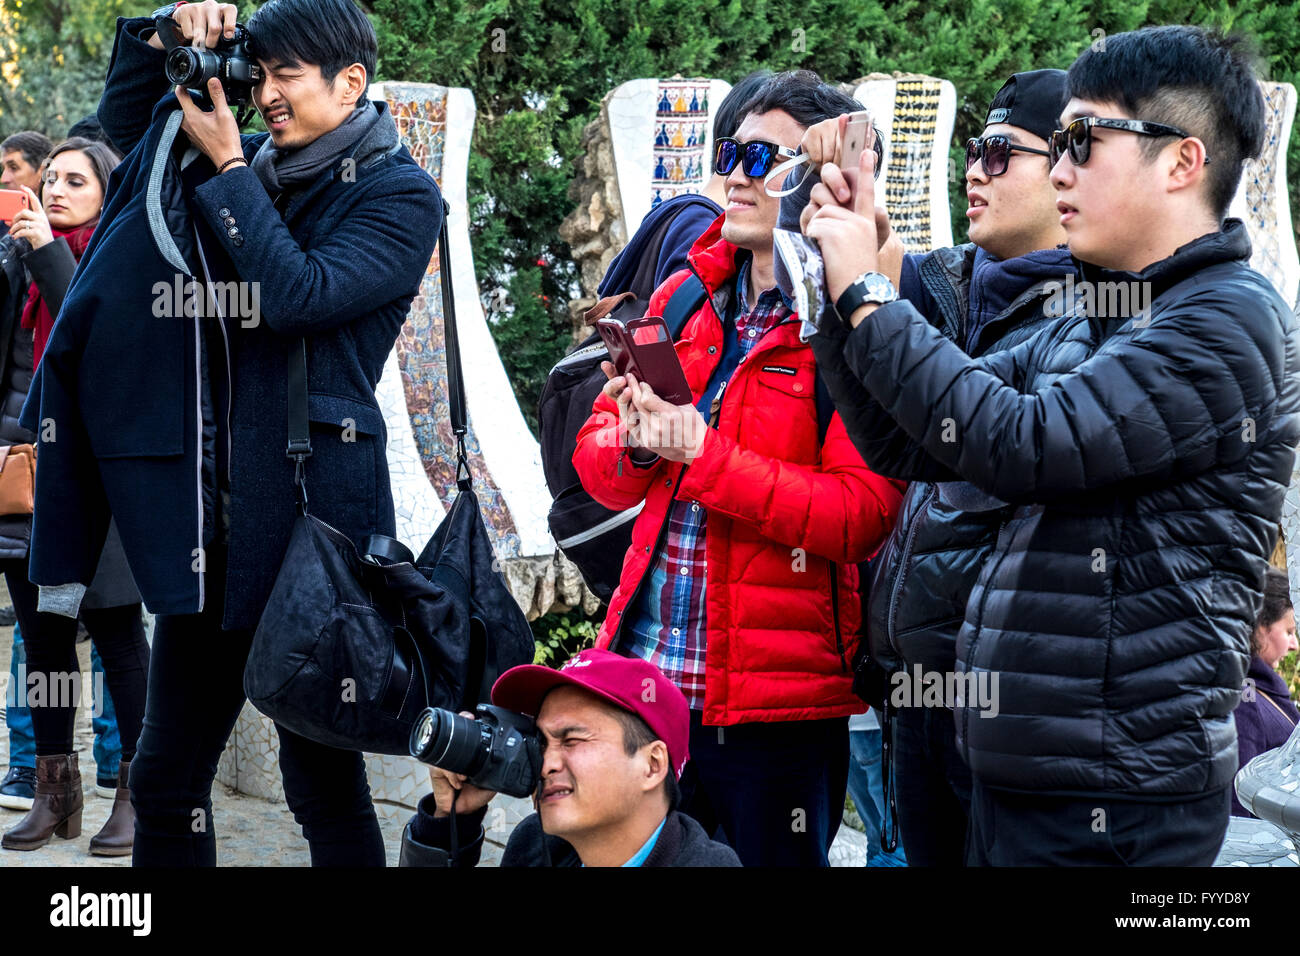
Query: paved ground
{"x": 250, "y": 831}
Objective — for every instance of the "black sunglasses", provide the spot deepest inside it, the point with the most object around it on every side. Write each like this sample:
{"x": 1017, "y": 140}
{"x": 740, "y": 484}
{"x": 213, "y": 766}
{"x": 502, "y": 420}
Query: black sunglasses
{"x": 755, "y": 157}
{"x": 1076, "y": 139}
{"x": 994, "y": 153}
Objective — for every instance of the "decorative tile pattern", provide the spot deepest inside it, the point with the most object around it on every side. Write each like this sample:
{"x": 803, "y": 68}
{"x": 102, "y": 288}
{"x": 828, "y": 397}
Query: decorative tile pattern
{"x": 681, "y": 129}
{"x": 661, "y": 135}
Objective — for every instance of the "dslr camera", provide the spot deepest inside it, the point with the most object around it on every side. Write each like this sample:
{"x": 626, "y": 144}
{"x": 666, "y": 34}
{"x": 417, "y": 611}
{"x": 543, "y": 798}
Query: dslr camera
{"x": 497, "y": 749}
{"x": 230, "y": 61}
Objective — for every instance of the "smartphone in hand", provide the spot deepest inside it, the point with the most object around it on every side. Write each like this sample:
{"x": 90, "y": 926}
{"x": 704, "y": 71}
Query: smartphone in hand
{"x": 644, "y": 348}
{"x": 12, "y": 202}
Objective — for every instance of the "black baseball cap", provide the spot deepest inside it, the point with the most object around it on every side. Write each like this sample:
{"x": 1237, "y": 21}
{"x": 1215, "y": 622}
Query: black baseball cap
{"x": 1033, "y": 101}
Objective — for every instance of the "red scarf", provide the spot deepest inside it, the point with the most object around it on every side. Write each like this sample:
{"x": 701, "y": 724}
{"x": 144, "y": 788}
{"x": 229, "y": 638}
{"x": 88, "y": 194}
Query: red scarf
{"x": 35, "y": 314}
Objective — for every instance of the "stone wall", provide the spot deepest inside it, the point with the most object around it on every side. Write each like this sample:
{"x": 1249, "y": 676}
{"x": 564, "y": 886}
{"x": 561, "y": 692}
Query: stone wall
{"x": 595, "y": 230}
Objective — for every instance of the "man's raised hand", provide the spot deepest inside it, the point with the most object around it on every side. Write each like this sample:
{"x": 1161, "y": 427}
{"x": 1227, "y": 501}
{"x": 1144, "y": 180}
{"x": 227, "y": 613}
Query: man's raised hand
{"x": 202, "y": 24}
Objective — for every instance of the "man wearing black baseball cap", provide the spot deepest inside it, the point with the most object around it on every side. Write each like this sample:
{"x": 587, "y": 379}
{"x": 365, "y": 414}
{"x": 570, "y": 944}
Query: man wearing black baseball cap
{"x": 987, "y": 295}
{"x": 615, "y": 735}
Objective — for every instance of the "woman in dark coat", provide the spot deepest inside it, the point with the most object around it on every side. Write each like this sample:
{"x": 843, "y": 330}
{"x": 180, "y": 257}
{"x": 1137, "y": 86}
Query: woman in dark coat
{"x": 1266, "y": 716}
{"x": 58, "y": 226}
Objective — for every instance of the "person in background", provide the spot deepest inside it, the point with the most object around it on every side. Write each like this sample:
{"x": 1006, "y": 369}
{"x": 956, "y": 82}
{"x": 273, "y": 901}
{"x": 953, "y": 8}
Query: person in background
{"x": 19, "y": 786}
{"x": 58, "y": 226}
{"x": 1266, "y": 716}
{"x": 21, "y": 156}
{"x": 866, "y": 787}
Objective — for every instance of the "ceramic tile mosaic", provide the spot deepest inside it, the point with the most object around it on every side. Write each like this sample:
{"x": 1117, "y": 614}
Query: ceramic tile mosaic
{"x": 915, "y": 115}
{"x": 661, "y": 134}
{"x": 681, "y": 130}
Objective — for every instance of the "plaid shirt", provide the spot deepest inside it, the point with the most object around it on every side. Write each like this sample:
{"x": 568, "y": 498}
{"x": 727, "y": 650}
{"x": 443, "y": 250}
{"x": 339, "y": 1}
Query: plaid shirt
{"x": 667, "y": 626}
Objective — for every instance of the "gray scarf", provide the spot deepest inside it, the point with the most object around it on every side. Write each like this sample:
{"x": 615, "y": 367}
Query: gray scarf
{"x": 281, "y": 169}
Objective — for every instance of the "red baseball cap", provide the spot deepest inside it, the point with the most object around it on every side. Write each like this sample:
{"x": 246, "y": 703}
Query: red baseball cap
{"x": 627, "y": 682}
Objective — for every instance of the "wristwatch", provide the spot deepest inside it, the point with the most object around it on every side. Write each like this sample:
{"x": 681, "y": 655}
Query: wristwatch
{"x": 868, "y": 288}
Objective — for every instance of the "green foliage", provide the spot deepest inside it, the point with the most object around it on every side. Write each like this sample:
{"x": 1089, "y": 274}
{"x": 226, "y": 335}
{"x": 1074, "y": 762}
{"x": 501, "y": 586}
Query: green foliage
{"x": 539, "y": 68}
{"x": 1289, "y": 668}
{"x": 559, "y": 636}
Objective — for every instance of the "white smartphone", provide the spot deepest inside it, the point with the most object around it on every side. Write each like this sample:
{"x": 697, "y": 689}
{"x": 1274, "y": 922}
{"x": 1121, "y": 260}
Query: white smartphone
{"x": 857, "y": 136}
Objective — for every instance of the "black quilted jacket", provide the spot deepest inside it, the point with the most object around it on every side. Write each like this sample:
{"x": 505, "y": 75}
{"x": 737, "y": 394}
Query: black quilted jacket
{"x": 922, "y": 576}
{"x": 1116, "y": 607}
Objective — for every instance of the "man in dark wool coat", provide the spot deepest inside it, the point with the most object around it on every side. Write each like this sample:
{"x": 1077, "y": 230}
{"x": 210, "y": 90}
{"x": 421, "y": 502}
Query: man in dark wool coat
{"x": 326, "y": 226}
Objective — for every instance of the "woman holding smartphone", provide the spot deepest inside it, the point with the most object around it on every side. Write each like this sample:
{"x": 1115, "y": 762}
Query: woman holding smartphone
{"x": 58, "y": 225}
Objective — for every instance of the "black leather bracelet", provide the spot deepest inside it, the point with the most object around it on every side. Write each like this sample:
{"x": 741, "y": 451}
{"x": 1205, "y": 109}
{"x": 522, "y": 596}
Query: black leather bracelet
{"x": 235, "y": 159}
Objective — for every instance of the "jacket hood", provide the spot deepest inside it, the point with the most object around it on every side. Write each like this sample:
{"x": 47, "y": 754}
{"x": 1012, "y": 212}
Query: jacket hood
{"x": 995, "y": 283}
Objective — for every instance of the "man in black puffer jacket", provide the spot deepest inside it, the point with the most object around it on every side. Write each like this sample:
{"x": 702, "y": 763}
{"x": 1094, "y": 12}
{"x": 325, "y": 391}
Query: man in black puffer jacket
{"x": 987, "y": 295}
{"x": 1114, "y": 612}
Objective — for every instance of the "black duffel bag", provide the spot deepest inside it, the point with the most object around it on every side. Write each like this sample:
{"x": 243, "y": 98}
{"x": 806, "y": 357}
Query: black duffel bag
{"x": 355, "y": 643}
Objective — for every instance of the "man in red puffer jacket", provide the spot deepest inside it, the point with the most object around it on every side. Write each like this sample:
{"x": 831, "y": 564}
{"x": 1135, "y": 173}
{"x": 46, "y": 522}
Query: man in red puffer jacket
{"x": 741, "y": 583}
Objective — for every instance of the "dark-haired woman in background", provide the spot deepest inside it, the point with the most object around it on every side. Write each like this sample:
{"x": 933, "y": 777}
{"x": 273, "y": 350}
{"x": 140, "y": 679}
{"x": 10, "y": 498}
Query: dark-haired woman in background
{"x": 58, "y": 226}
{"x": 1266, "y": 716}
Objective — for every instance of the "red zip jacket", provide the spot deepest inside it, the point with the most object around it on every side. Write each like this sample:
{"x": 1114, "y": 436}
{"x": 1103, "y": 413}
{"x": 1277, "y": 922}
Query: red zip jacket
{"x": 788, "y": 520}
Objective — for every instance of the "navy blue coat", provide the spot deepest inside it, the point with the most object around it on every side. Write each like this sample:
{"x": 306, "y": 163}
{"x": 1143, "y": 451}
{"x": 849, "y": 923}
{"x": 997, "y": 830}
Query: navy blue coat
{"x": 144, "y": 404}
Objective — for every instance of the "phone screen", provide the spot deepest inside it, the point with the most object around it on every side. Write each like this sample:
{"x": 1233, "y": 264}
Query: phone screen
{"x": 11, "y": 203}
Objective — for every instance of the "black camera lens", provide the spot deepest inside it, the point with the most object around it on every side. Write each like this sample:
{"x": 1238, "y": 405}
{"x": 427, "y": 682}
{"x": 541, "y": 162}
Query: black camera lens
{"x": 186, "y": 66}
{"x": 454, "y": 743}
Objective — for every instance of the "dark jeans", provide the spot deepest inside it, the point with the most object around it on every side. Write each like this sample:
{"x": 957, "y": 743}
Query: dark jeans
{"x": 196, "y": 691}
{"x": 776, "y": 790}
{"x": 933, "y": 786}
{"x": 1029, "y": 829}
{"x": 51, "y": 645}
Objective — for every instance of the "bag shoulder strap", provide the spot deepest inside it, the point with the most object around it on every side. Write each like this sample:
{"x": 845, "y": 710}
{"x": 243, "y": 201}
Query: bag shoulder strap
{"x": 455, "y": 375}
{"x": 299, "y": 447}
{"x": 825, "y": 406}
{"x": 683, "y": 303}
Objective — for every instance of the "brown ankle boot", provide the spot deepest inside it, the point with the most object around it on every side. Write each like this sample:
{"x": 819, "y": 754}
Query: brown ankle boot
{"x": 57, "y": 808}
{"x": 117, "y": 835}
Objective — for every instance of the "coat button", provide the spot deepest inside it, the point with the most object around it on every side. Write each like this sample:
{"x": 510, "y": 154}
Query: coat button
{"x": 713, "y": 349}
{"x": 230, "y": 220}
{"x": 223, "y": 212}
{"x": 232, "y": 231}
{"x": 668, "y": 482}
{"x": 238, "y": 240}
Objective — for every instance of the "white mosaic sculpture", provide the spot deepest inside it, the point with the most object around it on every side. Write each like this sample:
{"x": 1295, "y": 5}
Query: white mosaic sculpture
{"x": 662, "y": 137}
{"x": 1269, "y": 787}
{"x": 915, "y": 114}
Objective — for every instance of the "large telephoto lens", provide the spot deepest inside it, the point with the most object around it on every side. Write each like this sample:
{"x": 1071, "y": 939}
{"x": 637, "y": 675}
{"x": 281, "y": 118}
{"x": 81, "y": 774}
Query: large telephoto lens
{"x": 448, "y": 741}
{"x": 186, "y": 66}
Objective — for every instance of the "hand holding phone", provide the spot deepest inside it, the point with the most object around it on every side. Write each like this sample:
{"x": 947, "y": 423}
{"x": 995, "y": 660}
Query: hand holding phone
{"x": 12, "y": 202}
{"x": 859, "y": 134}
{"x": 644, "y": 348}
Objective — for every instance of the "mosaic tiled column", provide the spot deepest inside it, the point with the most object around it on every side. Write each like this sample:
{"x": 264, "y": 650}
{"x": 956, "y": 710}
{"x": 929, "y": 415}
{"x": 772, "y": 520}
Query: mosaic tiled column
{"x": 662, "y": 136}
{"x": 915, "y": 114}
